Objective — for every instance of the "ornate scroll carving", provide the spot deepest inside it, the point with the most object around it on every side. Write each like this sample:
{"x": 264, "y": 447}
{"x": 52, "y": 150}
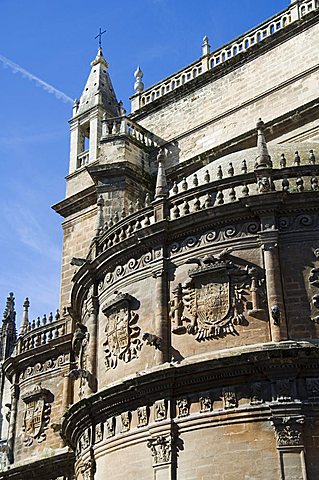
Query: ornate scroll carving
{"x": 122, "y": 332}
{"x": 161, "y": 448}
{"x": 288, "y": 430}
{"x": 213, "y": 301}
{"x": 37, "y": 414}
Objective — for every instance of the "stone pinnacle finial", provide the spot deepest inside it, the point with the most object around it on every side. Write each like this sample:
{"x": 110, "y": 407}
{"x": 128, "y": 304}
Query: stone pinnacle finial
{"x": 138, "y": 85}
{"x": 25, "y": 318}
{"x": 205, "y": 46}
{"x": 161, "y": 190}
{"x": 99, "y": 59}
{"x": 100, "y": 216}
{"x": 263, "y": 159}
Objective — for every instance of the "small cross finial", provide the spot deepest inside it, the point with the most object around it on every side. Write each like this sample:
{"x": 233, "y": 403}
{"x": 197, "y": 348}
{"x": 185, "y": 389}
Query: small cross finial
{"x": 99, "y": 36}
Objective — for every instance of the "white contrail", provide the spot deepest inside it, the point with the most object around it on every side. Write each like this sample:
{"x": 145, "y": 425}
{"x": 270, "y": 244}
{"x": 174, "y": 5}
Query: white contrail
{"x": 46, "y": 86}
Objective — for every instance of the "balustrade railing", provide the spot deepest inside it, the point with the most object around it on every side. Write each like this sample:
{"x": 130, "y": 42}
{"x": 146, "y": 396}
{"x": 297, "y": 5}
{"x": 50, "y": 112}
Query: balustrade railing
{"x": 83, "y": 159}
{"x": 255, "y": 36}
{"x": 43, "y": 331}
{"x": 216, "y": 187}
{"x": 125, "y": 126}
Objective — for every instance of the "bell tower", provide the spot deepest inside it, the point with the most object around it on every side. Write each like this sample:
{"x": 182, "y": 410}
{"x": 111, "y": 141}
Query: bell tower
{"x": 98, "y": 100}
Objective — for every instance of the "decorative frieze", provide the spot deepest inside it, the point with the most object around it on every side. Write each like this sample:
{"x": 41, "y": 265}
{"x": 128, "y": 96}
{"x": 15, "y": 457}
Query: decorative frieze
{"x": 41, "y": 367}
{"x": 122, "y": 331}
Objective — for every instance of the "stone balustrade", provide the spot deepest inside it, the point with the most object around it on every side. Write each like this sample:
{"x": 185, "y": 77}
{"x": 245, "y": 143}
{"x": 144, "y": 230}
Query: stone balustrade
{"x": 214, "y": 189}
{"x": 293, "y": 13}
{"x": 124, "y": 126}
{"x": 83, "y": 159}
{"x": 43, "y": 331}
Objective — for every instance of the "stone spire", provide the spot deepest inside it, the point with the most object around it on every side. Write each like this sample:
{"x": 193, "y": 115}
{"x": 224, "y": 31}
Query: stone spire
{"x": 25, "y": 318}
{"x": 161, "y": 190}
{"x": 98, "y": 89}
{"x": 8, "y": 329}
{"x": 263, "y": 159}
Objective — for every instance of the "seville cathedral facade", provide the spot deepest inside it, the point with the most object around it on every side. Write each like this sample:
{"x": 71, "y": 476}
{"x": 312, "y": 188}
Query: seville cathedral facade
{"x": 186, "y": 345}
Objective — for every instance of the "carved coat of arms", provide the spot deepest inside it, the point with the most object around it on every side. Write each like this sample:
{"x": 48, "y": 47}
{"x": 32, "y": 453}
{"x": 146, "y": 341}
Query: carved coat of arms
{"x": 212, "y": 302}
{"x": 37, "y": 415}
{"x": 122, "y": 332}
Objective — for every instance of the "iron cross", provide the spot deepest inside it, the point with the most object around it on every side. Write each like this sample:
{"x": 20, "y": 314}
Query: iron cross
{"x": 99, "y": 36}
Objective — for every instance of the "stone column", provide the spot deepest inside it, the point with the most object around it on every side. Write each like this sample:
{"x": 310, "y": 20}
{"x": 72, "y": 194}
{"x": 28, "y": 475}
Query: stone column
{"x": 13, "y": 419}
{"x": 161, "y": 312}
{"x": 91, "y": 362}
{"x": 276, "y": 307}
{"x": 163, "y": 457}
{"x": 288, "y": 427}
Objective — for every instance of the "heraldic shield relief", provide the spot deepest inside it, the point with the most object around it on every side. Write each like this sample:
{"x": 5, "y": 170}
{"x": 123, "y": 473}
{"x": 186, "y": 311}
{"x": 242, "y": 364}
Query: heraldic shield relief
{"x": 122, "y": 332}
{"x": 214, "y": 299}
{"x": 37, "y": 415}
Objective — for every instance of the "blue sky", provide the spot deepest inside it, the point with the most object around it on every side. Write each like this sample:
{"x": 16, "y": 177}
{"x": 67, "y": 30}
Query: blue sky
{"x": 54, "y": 40}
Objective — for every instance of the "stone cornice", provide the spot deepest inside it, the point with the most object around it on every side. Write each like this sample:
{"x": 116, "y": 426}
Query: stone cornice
{"x": 75, "y": 203}
{"x": 191, "y": 376}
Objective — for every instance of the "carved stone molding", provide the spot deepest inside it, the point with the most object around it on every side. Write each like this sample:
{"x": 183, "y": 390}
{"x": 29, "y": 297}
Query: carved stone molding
{"x": 126, "y": 421}
{"x": 46, "y": 366}
{"x": 213, "y": 236}
{"x": 37, "y": 414}
{"x": 99, "y": 432}
{"x": 183, "y": 407}
{"x": 142, "y": 416}
{"x": 160, "y": 410}
{"x": 161, "y": 448}
{"x": 122, "y": 331}
{"x": 214, "y": 300}
{"x": 229, "y": 398}
{"x": 288, "y": 430}
{"x": 206, "y": 404}
{"x": 110, "y": 427}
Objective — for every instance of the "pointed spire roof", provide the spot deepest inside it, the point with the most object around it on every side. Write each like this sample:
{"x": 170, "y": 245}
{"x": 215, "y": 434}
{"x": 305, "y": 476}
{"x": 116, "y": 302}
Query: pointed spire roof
{"x": 99, "y": 89}
{"x": 25, "y": 319}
